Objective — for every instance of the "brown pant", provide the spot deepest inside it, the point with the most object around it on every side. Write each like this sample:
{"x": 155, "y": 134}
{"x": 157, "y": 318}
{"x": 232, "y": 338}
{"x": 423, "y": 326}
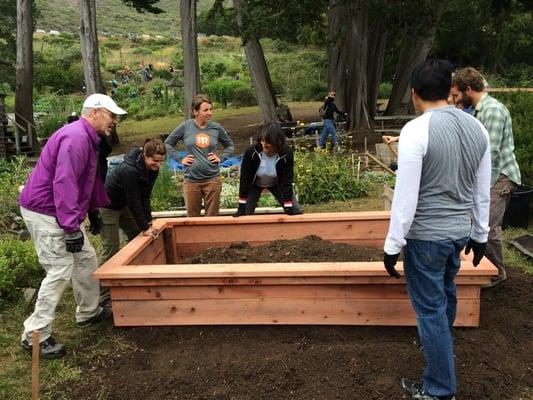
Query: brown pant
{"x": 209, "y": 191}
{"x": 500, "y": 195}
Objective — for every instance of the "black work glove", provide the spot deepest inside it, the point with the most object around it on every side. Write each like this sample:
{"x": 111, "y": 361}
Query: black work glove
{"x": 241, "y": 210}
{"x": 292, "y": 211}
{"x": 74, "y": 241}
{"x": 95, "y": 220}
{"x": 478, "y": 248}
{"x": 390, "y": 261}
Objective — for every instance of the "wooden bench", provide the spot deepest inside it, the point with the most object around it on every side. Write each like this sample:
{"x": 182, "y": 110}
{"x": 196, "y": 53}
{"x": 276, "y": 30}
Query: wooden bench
{"x": 148, "y": 287}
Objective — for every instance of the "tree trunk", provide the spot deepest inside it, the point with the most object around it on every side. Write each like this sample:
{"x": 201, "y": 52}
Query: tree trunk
{"x": 377, "y": 39}
{"x": 348, "y": 33}
{"x": 89, "y": 47}
{"x": 191, "y": 71}
{"x": 261, "y": 81}
{"x": 414, "y": 52}
{"x": 24, "y": 74}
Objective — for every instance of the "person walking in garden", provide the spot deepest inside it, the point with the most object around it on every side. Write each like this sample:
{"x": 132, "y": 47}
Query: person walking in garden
{"x": 200, "y": 137}
{"x": 268, "y": 164}
{"x": 328, "y": 118}
{"x": 129, "y": 187}
{"x": 468, "y": 89}
{"x": 440, "y": 206}
{"x": 64, "y": 186}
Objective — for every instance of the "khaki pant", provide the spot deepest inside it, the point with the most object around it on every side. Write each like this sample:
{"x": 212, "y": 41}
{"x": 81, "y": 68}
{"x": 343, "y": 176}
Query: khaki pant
{"x": 209, "y": 191}
{"x": 61, "y": 268}
{"x": 112, "y": 220}
{"x": 500, "y": 196}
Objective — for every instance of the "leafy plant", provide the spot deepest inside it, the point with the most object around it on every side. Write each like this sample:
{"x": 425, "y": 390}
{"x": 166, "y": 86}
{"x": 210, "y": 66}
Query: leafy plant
{"x": 13, "y": 173}
{"x": 19, "y": 268}
{"x": 165, "y": 195}
{"x": 323, "y": 176}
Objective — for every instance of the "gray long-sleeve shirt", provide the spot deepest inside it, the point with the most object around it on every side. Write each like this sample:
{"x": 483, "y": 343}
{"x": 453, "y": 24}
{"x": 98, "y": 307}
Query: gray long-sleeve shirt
{"x": 443, "y": 180}
{"x": 200, "y": 142}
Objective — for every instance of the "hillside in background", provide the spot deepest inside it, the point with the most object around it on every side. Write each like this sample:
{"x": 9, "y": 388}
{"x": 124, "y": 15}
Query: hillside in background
{"x": 113, "y": 16}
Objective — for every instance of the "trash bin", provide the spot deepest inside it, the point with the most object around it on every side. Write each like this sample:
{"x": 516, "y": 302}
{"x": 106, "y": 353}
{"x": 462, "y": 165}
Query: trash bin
{"x": 517, "y": 214}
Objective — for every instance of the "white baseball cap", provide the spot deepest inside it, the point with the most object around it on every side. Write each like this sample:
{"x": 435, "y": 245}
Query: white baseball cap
{"x": 99, "y": 100}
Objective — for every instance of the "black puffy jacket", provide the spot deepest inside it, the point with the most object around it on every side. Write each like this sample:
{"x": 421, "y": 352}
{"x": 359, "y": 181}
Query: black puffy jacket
{"x": 130, "y": 184}
{"x": 250, "y": 164}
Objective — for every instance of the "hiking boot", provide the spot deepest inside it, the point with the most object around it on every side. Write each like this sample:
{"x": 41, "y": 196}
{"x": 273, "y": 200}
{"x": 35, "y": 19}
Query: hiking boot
{"x": 104, "y": 315}
{"x": 496, "y": 280}
{"x": 48, "y": 348}
{"x": 416, "y": 391}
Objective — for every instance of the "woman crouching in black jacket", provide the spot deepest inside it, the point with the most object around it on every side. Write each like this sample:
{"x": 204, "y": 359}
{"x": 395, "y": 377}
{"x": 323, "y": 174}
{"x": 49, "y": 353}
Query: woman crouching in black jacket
{"x": 129, "y": 187}
{"x": 268, "y": 164}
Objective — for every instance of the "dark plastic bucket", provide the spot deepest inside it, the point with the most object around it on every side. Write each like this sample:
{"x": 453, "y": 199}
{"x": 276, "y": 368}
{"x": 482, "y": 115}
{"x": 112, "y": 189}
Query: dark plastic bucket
{"x": 517, "y": 214}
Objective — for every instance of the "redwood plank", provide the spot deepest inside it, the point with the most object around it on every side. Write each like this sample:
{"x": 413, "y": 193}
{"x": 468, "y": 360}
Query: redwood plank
{"x": 269, "y": 270}
{"x": 274, "y": 292}
{"x": 275, "y": 311}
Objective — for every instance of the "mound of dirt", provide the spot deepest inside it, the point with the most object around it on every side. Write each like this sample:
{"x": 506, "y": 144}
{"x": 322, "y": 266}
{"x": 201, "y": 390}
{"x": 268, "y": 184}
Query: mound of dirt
{"x": 493, "y": 361}
{"x": 309, "y": 249}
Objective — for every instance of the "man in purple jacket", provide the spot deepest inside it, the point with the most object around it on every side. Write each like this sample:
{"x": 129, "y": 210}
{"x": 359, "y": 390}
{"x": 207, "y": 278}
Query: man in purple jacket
{"x": 64, "y": 186}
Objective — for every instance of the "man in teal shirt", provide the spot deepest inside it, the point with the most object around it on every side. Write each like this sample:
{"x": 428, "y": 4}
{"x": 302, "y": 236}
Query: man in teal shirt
{"x": 468, "y": 88}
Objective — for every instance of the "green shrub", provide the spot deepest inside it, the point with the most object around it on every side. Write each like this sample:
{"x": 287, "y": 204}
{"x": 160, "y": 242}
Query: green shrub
{"x": 385, "y": 89}
{"x": 322, "y": 176}
{"x": 49, "y": 124}
{"x": 223, "y": 90}
{"x": 165, "y": 195}
{"x": 19, "y": 268}
{"x": 244, "y": 96}
{"x": 520, "y": 105}
{"x": 13, "y": 173}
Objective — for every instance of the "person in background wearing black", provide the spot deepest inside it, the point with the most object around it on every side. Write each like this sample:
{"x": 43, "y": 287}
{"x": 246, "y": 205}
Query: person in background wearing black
{"x": 268, "y": 164}
{"x": 129, "y": 188}
{"x": 328, "y": 118}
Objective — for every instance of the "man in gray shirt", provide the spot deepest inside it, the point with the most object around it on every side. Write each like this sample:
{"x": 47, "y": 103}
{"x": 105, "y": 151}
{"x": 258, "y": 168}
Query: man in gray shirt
{"x": 441, "y": 204}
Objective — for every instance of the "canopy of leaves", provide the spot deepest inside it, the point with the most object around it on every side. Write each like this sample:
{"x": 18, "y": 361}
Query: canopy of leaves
{"x": 144, "y": 6}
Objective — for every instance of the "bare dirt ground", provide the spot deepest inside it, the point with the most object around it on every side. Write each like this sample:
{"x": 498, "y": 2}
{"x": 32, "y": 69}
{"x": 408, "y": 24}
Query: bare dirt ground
{"x": 493, "y": 361}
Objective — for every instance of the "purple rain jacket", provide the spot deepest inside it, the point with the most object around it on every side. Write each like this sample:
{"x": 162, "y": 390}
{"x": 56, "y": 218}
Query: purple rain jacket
{"x": 64, "y": 182}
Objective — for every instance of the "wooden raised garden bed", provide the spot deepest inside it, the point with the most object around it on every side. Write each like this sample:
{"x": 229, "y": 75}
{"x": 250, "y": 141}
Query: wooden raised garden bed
{"x": 148, "y": 287}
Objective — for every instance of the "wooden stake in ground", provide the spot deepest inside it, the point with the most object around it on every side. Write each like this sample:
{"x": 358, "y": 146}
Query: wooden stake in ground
{"x": 35, "y": 366}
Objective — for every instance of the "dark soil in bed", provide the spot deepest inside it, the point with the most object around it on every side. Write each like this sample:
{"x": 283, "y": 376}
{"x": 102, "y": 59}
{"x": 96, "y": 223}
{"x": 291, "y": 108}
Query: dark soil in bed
{"x": 493, "y": 362}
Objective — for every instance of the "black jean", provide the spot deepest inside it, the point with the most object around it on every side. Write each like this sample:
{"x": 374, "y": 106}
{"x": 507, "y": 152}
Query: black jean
{"x": 255, "y": 193}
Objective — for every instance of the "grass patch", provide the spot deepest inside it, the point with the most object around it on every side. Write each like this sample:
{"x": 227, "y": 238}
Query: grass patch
{"x": 513, "y": 257}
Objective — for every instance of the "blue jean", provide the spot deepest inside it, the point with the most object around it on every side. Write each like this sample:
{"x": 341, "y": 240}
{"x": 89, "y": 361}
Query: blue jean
{"x": 329, "y": 127}
{"x": 430, "y": 268}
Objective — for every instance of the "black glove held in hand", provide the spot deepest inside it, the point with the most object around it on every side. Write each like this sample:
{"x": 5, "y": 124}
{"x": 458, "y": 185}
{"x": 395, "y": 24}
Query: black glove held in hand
{"x": 292, "y": 211}
{"x": 74, "y": 241}
{"x": 95, "y": 220}
{"x": 390, "y": 261}
{"x": 241, "y": 210}
{"x": 478, "y": 248}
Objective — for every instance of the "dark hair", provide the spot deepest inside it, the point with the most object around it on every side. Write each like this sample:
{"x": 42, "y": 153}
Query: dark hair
{"x": 432, "y": 80}
{"x": 154, "y": 146}
{"x": 466, "y": 77}
{"x": 197, "y": 102}
{"x": 272, "y": 134}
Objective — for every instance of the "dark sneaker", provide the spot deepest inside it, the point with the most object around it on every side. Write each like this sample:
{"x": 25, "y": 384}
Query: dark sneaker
{"x": 48, "y": 348}
{"x": 107, "y": 303}
{"x": 104, "y": 315}
{"x": 416, "y": 391}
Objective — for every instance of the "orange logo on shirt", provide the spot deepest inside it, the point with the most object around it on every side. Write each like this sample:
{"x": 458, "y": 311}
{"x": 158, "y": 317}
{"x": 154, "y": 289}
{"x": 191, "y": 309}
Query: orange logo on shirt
{"x": 202, "y": 140}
